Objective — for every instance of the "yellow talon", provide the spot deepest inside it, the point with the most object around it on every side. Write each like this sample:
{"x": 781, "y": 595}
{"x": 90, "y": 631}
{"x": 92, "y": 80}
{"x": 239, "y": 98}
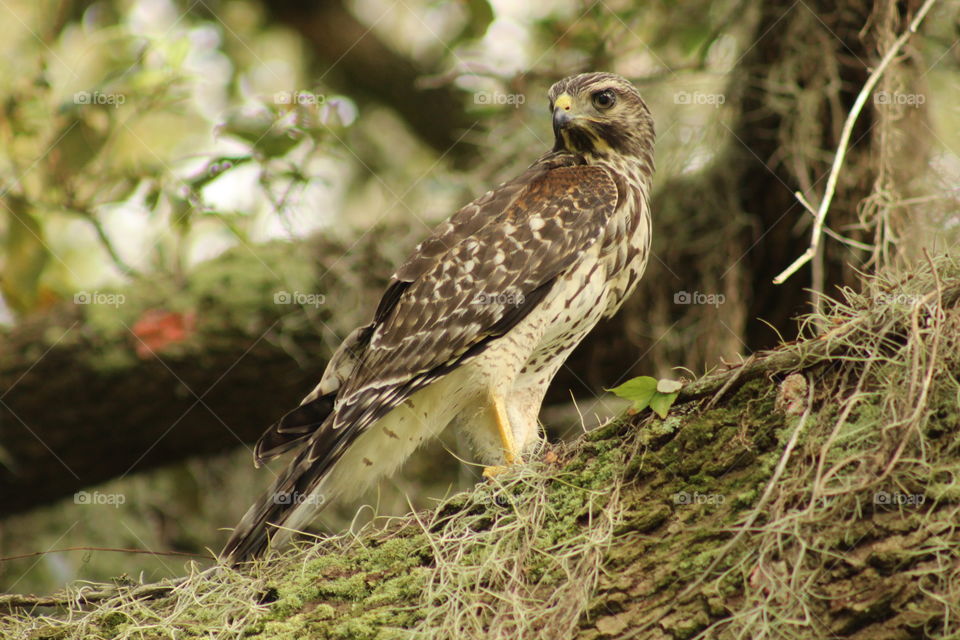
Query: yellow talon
{"x": 510, "y": 455}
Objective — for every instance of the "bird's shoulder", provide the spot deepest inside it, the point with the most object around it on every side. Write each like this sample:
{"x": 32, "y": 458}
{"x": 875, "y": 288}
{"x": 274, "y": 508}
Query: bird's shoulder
{"x": 543, "y": 188}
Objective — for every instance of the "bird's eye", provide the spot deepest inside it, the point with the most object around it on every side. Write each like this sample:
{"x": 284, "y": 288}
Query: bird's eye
{"x": 604, "y": 99}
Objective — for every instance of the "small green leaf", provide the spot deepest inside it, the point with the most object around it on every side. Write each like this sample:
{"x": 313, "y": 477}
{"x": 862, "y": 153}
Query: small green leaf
{"x": 665, "y": 385}
{"x": 638, "y": 390}
{"x": 661, "y": 402}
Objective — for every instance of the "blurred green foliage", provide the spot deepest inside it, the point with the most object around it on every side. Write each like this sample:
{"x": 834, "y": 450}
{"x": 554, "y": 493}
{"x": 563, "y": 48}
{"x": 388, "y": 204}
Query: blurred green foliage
{"x": 137, "y": 134}
{"x": 132, "y": 111}
{"x": 141, "y": 136}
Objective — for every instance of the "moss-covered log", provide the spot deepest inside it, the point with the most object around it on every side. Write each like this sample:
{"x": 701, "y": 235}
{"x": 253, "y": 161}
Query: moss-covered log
{"x": 819, "y": 501}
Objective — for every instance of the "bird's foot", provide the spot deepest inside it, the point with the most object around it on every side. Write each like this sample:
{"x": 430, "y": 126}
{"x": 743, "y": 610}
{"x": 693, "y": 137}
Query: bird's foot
{"x": 491, "y": 472}
{"x": 495, "y": 470}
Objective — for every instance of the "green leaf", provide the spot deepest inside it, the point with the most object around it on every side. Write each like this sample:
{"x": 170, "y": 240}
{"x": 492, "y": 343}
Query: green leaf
{"x": 661, "y": 402}
{"x": 638, "y": 390}
{"x": 646, "y": 391}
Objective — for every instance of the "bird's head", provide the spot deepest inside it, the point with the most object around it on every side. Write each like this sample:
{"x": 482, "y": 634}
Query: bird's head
{"x": 600, "y": 114}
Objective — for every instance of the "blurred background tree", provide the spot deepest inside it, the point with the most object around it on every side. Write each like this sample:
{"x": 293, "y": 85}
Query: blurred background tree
{"x": 200, "y": 199}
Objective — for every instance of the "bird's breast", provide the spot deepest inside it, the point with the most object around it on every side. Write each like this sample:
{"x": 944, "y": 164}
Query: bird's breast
{"x": 626, "y": 245}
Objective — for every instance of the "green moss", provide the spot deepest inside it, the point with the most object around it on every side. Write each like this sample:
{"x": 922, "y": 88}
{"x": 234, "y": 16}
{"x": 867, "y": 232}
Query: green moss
{"x": 114, "y": 621}
{"x": 349, "y": 595}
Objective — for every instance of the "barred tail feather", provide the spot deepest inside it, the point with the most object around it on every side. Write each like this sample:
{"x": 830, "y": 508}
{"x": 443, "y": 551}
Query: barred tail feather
{"x": 294, "y": 499}
{"x": 294, "y": 428}
{"x": 340, "y": 463}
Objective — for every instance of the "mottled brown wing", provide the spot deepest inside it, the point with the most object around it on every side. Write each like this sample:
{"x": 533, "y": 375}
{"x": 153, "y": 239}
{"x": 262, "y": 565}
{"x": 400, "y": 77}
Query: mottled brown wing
{"x": 475, "y": 290}
{"x": 487, "y": 209}
{"x": 312, "y": 419}
{"x": 299, "y": 424}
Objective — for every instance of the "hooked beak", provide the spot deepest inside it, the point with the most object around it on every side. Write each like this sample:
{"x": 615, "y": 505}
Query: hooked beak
{"x": 561, "y": 119}
{"x": 562, "y": 112}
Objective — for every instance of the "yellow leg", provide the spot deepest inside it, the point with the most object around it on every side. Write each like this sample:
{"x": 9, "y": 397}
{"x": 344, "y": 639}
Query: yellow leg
{"x": 510, "y": 453}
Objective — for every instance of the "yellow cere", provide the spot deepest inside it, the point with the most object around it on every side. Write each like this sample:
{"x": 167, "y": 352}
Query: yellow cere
{"x": 563, "y": 101}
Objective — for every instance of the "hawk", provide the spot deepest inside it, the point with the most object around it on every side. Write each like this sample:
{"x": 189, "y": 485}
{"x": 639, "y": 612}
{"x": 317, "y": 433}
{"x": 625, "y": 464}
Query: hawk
{"x": 478, "y": 320}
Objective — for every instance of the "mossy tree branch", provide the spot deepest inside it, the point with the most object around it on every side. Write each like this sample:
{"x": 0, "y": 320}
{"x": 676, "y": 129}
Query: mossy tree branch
{"x": 713, "y": 522}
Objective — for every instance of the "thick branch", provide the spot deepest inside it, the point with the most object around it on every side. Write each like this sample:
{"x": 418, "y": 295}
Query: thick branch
{"x": 96, "y": 391}
{"x": 87, "y": 395}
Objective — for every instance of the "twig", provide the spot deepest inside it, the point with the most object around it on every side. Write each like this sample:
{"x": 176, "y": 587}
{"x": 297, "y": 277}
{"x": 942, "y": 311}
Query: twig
{"x": 729, "y": 383}
{"x": 107, "y": 244}
{"x": 141, "y": 592}
{"x": 845, "y": 140}
{"x": 104, "y": 238}
{"x": 143, "y": 551}
{"x": 830, "y": 232}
